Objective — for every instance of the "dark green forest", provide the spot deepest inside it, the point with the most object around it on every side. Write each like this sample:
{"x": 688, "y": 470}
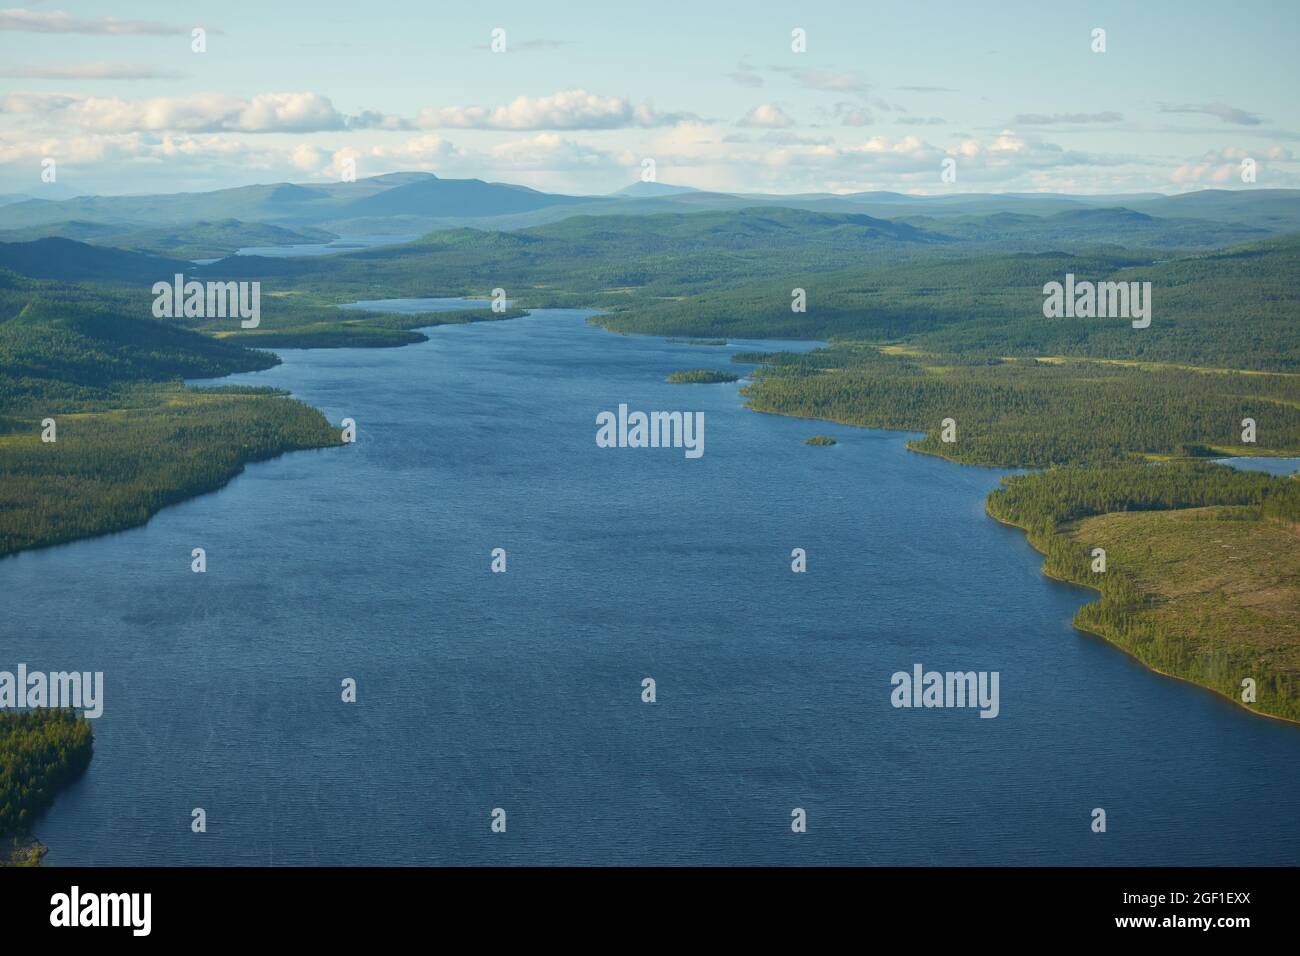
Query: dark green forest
{"x": 129, "y": 437}
{"x": 701, "y": 376}
{"x": 111, "y": 470}
{"x": 1029, "y": 413}
{"x": 41, "y": 751}
{"x": 926, "y": 320}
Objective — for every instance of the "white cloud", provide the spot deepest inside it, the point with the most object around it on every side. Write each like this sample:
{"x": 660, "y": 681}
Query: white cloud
{"x": 125, "y": 149}
{"x": 711, "y": 158}
{"x": 1224, "y": 166}
{"x": 196, "y": 113}
{"x": 784, "y": 138}
{"x": 551, "y": 152}
{"x": 766, "y": 116}
{"x": 423, "y": 149}
{"x": 87, "y": 71}
{"x": 566, "y": 110}
{"x": 56, "y": 21}
{"x": 832, "y": 81}
{"x": 310, "y": 159}
{"x": 706, "y": 155}
{"x": 1043, "y": 119}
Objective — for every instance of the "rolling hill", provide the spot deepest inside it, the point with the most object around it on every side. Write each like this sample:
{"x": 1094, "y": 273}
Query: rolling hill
{"x": 74, "y": 261}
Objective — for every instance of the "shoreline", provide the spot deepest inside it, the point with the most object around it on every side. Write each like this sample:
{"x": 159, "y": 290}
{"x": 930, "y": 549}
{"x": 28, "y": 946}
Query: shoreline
{"x": 32, "y": 852}
{"x": 1128, "y": 653}
{"x": 199, "y": 384}
{"x": 527, "y": 312}
{"x": 92, "y": 535}
{"x": 1042, "y": 568}
{"x": 23, "y": 851}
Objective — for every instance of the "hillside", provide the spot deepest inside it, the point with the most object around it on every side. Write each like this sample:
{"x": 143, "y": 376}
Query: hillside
{"x": 73, "y": 261}
{"x": 129, "y": 438}
{"x": 1093, "y": 227}
{"x": 452, "y": 198}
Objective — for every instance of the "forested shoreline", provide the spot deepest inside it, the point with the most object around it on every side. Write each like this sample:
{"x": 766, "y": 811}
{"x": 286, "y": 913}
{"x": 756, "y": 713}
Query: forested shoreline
{"x": 927, "y": 334}
{"x": 41, "y": 752}
{"x": 1053, "y": 506}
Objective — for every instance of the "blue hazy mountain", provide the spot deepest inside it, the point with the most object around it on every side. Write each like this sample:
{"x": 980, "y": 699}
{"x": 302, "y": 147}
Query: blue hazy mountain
{"x": 640, "y": 190}
{"x": 413, "y": 203}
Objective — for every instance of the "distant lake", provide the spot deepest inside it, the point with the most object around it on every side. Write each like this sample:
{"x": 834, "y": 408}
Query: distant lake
{"x": 342, "y": 244}
{"x": 418, "y": 305}
{"x": 1273, "y": 466}
{"x": 523, "y": 690}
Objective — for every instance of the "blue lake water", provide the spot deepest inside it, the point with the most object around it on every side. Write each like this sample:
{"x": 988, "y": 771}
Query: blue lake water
{"x": 523, "y": 690}
{"x": 342, "y": 244}
{"x": 1273, "y": 466}
{"x": 420, "y": 305}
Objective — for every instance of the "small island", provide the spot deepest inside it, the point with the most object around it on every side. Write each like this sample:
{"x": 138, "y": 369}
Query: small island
{"x": 702, "y": 376}
{"x": 820, "y": 440}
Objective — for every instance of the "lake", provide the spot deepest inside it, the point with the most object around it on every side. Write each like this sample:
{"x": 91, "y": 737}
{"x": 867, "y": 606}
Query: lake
{"x": 523, "y": 691}
{"x": 342, "y": 244}
{"x": 1273, "y": 466}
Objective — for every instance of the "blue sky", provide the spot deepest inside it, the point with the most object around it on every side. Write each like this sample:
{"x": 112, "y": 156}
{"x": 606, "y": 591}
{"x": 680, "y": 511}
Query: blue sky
{"x": 712, "y": 92}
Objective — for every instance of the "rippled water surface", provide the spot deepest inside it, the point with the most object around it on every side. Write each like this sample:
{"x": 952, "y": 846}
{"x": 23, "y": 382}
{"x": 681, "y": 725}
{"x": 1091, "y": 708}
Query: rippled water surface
{"x": 523, "y": 690}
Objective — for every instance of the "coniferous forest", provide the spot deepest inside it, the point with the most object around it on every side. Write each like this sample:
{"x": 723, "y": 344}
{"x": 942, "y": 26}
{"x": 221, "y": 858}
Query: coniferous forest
{"x": 41, "y": 751}
{"x": 923, "y": 330}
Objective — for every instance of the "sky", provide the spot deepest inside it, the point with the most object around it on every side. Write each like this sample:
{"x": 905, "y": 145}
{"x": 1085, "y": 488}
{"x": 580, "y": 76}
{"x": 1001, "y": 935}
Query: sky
{"x": 583, "y": 93}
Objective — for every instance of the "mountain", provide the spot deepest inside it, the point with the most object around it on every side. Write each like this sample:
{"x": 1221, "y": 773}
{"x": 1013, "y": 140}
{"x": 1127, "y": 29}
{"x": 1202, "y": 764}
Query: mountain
{"x": 78, "y": 229}
{"x": 455, "y": 198}
{"x": 398, "y": 179}
{"x": 754, "y": 228}
{"x": 642, "y": 190}
{"x": 193, "y": 240}
{"x": 88, "y": 344}
{"x": 1076, "y": 229}
{"x": 413, "y": 195}
{"x": 587, "y": 257}
{"x": 1275, "y": 209}
{"x": 414, "y": 203}
{"x": 73, "y": 261}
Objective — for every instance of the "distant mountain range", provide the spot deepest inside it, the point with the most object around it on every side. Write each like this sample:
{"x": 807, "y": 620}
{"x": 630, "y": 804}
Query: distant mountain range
{"x": 637, "y": 250}
{"x": 415, "y": 203}
{"x": 642, "y": 189}
{"x": 396, "y": 196}
{"x": 747, "y": 234}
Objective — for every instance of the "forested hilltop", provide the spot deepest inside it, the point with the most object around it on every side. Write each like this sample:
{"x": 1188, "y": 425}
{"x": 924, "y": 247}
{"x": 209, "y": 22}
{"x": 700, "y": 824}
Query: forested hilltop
{"x": 936, "y": 325}
{"x": 127, "y": 437}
